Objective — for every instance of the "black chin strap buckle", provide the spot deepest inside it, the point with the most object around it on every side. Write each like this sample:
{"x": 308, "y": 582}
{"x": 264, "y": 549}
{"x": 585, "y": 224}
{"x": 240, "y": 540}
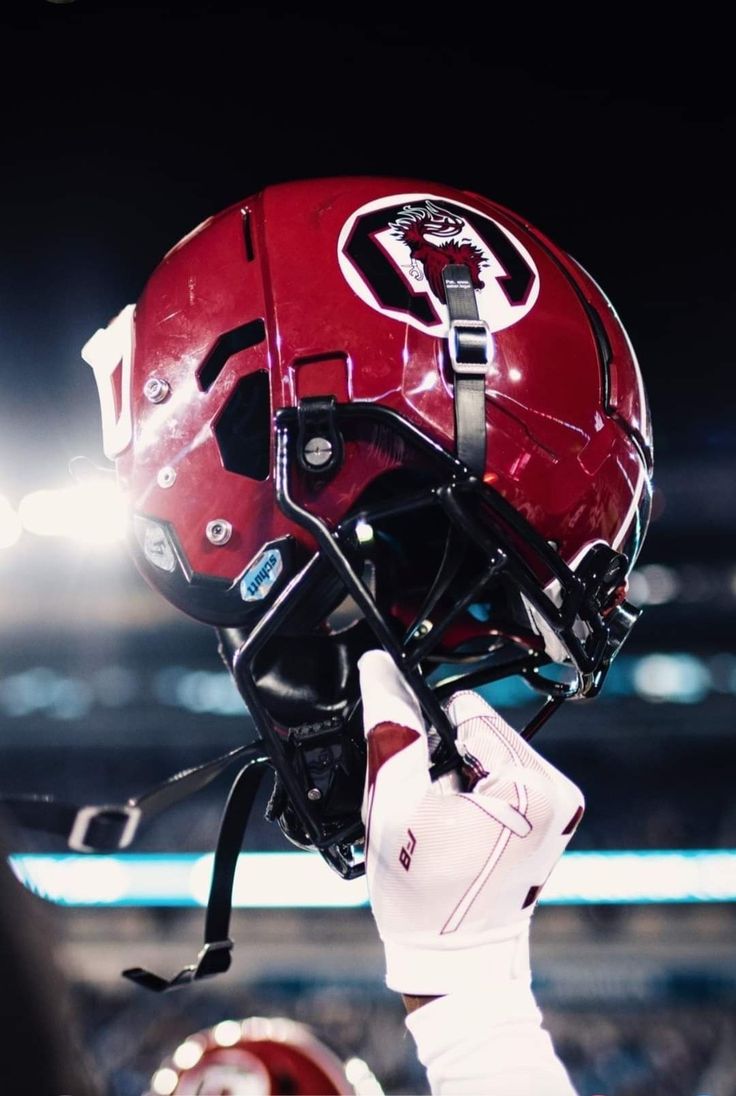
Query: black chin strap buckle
{"x": 105, "y": 828}
{"x": 471, "y": 352}
{"x": 214, "y": 958}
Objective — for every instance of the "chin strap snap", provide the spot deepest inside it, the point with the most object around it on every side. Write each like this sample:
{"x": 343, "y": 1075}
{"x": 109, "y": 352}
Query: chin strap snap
{"x": 319, "y": 443}
{"x": 471, "y": 351}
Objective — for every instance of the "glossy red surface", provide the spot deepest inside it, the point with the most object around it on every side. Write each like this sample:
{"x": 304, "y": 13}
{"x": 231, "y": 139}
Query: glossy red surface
{"x": 272, "y": 1056}
{"x": 565, "y": 442}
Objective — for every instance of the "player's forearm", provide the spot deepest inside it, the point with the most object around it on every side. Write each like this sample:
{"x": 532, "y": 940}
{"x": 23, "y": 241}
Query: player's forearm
{"x": 491, "y": 1042}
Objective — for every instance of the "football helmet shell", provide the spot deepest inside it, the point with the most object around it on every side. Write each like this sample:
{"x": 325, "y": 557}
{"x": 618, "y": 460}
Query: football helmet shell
{"x": 283, "y": 408}
{"x": 260, "y": 1056}
{"x": 317, "y": 288}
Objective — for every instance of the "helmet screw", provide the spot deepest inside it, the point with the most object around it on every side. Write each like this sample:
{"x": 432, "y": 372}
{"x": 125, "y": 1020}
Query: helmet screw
{"x": 423, "y": 629}
{"x": 166, "y": 476}
{"x": 314, "y": 794}
{"x": 156, "y": 390}
{"x": 218, "y": 531}
{"x": 318, "y": 451}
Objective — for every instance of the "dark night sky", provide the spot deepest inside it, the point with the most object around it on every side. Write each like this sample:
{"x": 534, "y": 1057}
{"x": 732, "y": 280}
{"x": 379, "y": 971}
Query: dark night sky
{"x": 125, "y": 125}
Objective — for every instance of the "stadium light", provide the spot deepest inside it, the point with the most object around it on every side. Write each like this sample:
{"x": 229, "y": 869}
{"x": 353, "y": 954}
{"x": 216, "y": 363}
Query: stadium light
{"x": 10, "y": 524}
{"x": 300, "y": 880}
{"x": 90, "y": 513}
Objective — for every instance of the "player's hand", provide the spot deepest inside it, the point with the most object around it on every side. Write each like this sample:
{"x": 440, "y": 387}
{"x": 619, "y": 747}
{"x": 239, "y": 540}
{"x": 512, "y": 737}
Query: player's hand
{"x": 455, "y": 866}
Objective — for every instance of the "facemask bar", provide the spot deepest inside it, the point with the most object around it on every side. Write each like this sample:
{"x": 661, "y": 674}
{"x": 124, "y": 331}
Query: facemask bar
{"x": 587, "y": 621}
{"x": 585, "y": 605}
{"x": 586, "y": 608}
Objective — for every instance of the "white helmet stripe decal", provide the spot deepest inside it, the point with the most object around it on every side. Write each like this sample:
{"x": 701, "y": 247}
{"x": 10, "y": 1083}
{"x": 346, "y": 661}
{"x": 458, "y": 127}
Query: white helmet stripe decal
{"x": 625, "y": 527}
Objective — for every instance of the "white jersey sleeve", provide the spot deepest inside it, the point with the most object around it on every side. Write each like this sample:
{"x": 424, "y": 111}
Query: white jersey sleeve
{"x": 487, "y": 1044}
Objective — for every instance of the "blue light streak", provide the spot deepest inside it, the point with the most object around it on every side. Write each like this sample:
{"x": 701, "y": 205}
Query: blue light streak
{"x": 303, "y": 881}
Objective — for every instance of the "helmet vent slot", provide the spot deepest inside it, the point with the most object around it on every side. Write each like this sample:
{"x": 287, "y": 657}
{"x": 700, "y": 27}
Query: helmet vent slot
{"x": 605, "y": 353}
{"x": 247, "y": 234}
{"x": 243, "y": 430}
{"x": 240, "y": 338}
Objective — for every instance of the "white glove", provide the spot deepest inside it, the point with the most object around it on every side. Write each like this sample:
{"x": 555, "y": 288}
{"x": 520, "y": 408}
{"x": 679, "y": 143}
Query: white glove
{"x": 454, "y": 867}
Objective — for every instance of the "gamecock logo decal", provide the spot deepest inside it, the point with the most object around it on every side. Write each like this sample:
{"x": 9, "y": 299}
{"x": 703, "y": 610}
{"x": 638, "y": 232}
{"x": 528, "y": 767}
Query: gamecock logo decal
{"x": 392, "y": 253}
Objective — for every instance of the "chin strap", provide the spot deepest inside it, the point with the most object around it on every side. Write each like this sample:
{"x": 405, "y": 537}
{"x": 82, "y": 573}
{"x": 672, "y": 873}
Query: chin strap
{"x": 216, "y": 953}
{"x": 111, "y": 827}
{"x": 471, "y": 351}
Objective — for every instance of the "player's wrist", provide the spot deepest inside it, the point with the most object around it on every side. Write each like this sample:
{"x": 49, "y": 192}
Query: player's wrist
{"x": 431, "y": 966}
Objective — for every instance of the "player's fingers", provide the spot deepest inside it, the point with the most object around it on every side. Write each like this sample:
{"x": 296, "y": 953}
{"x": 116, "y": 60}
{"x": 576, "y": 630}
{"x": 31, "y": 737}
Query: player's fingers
{"x": 385, "y": 694}
{"x": 398, "y": 755}
{"x": 485, "y": 736}
{"x": 508, "y": 768}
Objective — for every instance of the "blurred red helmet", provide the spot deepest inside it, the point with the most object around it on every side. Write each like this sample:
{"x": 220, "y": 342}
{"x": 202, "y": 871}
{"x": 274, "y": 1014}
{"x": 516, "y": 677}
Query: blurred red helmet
{"x": 260, "y": 1056}
{"x": 351, "y": 412}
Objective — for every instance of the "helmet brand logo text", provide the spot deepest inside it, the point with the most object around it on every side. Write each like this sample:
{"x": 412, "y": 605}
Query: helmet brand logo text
{"x": 260, "y": 578}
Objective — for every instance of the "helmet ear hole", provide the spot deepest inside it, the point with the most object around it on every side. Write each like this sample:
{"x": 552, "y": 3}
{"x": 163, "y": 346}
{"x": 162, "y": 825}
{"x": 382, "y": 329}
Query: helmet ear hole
{"x": 243, "y": 429}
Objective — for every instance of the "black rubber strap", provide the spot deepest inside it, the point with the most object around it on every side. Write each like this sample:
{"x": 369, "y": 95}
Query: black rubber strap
{"x": 215, "y": 956}
{"x": 470, "y": 422}
{"x": 470, "y": 353}
{"x": 110, "y": 827}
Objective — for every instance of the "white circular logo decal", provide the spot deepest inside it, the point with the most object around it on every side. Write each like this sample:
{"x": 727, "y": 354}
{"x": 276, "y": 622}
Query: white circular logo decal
{"x": 392, "y": 253}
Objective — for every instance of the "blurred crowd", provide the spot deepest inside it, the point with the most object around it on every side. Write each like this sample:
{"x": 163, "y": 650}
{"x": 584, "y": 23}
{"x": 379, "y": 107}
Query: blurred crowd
{"x": 658, "y": 1049}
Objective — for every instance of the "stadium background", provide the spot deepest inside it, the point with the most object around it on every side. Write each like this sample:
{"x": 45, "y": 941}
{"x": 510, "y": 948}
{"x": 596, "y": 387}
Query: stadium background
{"x": 124, "y": 126}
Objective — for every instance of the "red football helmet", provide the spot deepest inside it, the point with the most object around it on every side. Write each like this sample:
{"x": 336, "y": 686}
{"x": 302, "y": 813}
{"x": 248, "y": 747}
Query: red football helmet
{"x": 260, "y": 1056}
{"x": 358, "y": 412}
